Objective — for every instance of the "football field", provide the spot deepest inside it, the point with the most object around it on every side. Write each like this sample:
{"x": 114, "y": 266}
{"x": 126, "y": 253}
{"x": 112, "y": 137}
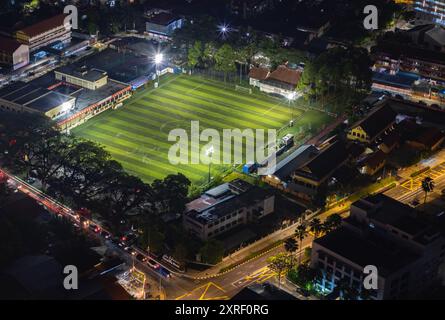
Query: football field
{"x": 137, "y": 134}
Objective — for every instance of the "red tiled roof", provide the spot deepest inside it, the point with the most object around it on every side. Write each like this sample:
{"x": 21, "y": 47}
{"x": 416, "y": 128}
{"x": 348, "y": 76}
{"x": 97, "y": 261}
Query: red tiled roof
{"x": 258, "y": 73}
{"x": 287, "y": 75}
{"x": 44, "y": 25}
{"x": 8, "y": 45}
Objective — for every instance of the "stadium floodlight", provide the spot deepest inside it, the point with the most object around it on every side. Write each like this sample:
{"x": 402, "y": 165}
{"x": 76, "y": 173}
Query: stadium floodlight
{"x": 159, "y": 57}
{"x": 209, "y": 153}
{"x": 291, "y": 97}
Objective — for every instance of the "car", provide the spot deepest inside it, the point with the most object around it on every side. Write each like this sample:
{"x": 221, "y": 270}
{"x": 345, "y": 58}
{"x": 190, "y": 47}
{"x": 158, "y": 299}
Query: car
{"x": 152, "y": 263}
{"x": 164, "y": 272}
{"x": 94, "y": 228}
{"x": 105, "y": 234}
{"x": 30, "y": 180}
{"x": 141, "y": 257}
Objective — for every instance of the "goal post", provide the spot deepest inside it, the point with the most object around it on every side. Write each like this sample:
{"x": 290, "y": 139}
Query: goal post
{"x": 243, "y": 89}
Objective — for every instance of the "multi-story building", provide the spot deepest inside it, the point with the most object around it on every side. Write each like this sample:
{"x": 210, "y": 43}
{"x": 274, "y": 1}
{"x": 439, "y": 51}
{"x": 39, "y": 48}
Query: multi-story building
{"x": 225, "y": 207}
{"x": 250, "y": 8}
{"x": 161, "y": 25}
{"x": 389, "y": 235}
{"x": 45, "y": 32}
{"x": 430, "y": 11}
{"x": 13, "y": 53}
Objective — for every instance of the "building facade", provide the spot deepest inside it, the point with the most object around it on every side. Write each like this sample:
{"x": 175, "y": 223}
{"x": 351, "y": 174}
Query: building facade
{"x": 428, "y": 11}
{"x": 43, "y": 33}
{"x": 406, "y": 249}
{"x": 13, "y": 53}
{"x": 226, "y": 207}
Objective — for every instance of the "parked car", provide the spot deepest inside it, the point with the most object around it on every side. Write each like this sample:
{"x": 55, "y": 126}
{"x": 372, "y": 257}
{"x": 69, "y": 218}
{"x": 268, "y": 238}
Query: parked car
{"x": 153, "y": 263}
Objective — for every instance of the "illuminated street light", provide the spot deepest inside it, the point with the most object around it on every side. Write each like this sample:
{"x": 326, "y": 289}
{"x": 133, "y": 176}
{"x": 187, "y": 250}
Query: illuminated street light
{"x": 291, "y": 97}
{"x": 209, "y": 153}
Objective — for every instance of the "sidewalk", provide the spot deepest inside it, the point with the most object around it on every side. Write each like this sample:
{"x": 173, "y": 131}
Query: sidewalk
{"x": 240, "y": 255}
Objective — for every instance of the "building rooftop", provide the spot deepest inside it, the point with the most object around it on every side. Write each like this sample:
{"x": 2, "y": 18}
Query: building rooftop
{"x": 163, "y": 18}
{"x": 286, "y": 75}
{"x": 259, "y": 73}
{"x": 325, "y": 163}
{"x": 363, "y": 251}
{"x": 377, "y": 120}
{"x": 43, "y": 26}
{"x": 206, "y": 208}
{"x": 293, "y": 161}
{"x": 32, "y": 96}
{"x": 82, "y": 72}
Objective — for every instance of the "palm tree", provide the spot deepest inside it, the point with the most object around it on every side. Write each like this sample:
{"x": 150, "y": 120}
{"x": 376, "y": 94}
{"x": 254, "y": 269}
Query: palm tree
{"x": 300, "y": 233}
{"x": 290, "y": 245}
{"x": 315, "y": 226}
{"x": 427, "y": 186}
{"x": 332, "y": 222}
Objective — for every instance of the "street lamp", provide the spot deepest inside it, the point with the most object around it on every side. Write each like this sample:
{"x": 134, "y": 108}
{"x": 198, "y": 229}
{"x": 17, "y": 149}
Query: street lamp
{"x": 209, "y": 154}
{"x": 290, "y": 98}
{"x": 159, "y": 57}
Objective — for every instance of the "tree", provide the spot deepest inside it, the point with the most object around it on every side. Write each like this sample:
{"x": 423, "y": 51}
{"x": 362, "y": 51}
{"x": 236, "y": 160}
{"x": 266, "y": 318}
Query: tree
{"x": 332, "y": 222}
{"x": 212, "y": 252}
{"x": 345, "y": 290}
{"x": 225, "y": 60}
{"x": 194, "y": 54}
{"x": 427, "y": 186}
{"x": 300, "y": 233}
{"x": 180, "y": 252}
{"x": 279, "y": 263}
{"x": 208, "y": 55}
{"x": 291, "y": 246}
{"x": 315, "y": 227}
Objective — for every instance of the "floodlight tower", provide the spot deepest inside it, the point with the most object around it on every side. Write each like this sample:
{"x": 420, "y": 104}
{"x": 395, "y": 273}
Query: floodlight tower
{"x": 159, "y": 57}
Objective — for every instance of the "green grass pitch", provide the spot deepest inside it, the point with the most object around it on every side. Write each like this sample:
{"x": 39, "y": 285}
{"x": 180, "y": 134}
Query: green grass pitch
{"x": 136, "y": 134}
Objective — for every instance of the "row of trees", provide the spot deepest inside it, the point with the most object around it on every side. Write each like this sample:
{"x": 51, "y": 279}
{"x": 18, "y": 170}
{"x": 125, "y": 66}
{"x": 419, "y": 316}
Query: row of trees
{"x": 285, "y": 261}
{"x": 81, "y": 173}
{"x": 342, "y": 74}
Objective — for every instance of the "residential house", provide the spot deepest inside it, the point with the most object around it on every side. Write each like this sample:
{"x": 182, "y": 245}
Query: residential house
{"x": 282, "y": 81}
{"x": 426, "y": 138}
{"x": 372, "y": 163}
{"x": 379, "y": 121}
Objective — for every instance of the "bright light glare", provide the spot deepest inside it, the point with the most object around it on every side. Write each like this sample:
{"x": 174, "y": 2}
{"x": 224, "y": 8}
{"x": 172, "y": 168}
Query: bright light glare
{"x": 158, "y": 58}
{"x": 209, "y": 151}
{"x": 223, "y": 29}
{"x": 291, "y": 96}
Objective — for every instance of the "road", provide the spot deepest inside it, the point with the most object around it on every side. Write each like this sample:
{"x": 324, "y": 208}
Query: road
{"x": 180, "y": 285}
